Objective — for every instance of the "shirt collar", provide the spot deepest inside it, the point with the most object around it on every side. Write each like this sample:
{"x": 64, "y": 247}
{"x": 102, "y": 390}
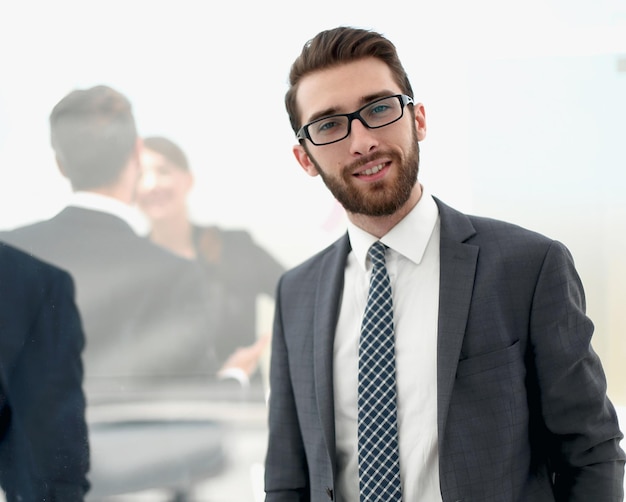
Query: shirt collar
{"x": 408, "y": 238}
{"x": 105, "y": 204}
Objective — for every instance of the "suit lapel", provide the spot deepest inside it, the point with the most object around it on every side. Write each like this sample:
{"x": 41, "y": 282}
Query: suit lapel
{"x": 327, "y": 302}
{"x": 458, "y": 267}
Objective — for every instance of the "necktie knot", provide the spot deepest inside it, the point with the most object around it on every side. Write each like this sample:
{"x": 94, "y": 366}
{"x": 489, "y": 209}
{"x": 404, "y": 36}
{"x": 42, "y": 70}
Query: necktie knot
{"x": 377, "y": 254}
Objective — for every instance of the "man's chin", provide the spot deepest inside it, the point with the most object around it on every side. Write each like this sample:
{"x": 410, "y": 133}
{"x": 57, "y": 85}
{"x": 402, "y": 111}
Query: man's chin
{"x": 379, "y": 212}
{"x": 372, "y": 208}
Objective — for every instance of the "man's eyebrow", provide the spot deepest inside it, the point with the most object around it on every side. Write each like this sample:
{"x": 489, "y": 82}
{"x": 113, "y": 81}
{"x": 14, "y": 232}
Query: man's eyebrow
{"x": 373, "y": 97}
{"x": 323, "y": 113}
{"x": 333, "y": 110}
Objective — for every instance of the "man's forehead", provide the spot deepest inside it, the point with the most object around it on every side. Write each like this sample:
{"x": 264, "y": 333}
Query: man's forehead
{"x": 343, "y": 87}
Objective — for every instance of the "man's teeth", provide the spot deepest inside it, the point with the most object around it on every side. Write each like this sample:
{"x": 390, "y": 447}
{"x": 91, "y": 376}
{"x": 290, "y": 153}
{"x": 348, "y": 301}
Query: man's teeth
{"x": 373, "y": 170}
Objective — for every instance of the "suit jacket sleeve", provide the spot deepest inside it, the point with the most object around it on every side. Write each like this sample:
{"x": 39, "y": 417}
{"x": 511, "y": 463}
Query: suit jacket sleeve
{"x": 44, "y": 391}
{"x": 581, "y": 421}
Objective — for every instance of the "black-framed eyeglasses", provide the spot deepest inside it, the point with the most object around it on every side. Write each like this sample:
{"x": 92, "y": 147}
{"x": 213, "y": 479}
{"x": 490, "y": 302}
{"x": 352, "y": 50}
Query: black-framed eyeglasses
{"x": 378, "y": 113}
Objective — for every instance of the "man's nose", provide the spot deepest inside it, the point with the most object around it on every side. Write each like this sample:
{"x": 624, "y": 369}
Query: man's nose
{"x": 362, "y": 139}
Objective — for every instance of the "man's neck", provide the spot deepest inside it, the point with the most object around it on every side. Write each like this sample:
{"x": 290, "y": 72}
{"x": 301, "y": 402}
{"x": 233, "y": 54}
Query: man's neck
{"x": 125, "y": 186}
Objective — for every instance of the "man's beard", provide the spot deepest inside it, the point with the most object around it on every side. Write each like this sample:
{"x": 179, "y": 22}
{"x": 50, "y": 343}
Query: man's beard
{"x": 378, "y": 198}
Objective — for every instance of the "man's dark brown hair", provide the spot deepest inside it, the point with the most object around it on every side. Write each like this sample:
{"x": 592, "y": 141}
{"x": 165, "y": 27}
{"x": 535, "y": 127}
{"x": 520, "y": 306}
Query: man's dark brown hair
{"x": 339, "y": 46}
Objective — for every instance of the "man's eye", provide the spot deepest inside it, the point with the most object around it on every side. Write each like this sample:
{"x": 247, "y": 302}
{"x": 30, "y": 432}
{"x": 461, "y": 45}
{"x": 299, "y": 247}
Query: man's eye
{"x": 327, "y": 125}
{"x": 380, "y": 109}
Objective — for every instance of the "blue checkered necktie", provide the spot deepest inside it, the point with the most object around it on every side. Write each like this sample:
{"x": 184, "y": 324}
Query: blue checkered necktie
{"x": 379, "y": 465}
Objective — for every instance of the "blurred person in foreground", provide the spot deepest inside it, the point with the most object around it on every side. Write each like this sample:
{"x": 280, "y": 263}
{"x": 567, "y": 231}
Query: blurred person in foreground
{"x": 44, "y": 450}
{"x": 237, "y": 270}
{"x": 146, "y": 315}
{"x": 492, "y": 391}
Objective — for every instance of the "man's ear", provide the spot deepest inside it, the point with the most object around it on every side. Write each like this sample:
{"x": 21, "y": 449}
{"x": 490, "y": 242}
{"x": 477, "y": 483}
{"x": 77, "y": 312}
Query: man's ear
{"x": 304, "y": 160}
{"x": 420, "y": 120}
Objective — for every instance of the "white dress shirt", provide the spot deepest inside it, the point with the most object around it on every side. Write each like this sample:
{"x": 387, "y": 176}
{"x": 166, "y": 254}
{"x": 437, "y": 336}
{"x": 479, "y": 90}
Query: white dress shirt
{"x": 110, "y": 205}
{"x": 413, "y": 266}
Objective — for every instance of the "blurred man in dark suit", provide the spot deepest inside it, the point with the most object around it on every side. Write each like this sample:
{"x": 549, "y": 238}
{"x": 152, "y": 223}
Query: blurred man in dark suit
{"x": 144, "y": 309}
{"x": 44, "y": 452}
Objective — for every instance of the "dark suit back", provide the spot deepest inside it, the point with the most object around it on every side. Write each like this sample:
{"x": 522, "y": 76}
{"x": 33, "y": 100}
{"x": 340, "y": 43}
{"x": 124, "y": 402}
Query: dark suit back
{"x": 44, "y": 453}
{"x": 145, "y": 310}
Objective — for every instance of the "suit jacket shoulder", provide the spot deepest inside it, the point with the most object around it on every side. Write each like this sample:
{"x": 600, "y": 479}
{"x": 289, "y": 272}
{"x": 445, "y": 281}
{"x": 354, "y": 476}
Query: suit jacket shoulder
{"x": 310, "y": 267}
{"x": 461, "y": 227}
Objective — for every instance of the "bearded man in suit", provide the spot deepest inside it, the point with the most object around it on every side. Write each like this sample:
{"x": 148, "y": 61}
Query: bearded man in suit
{"x": 44, "y": 449}
{"x": 494, "y": 392}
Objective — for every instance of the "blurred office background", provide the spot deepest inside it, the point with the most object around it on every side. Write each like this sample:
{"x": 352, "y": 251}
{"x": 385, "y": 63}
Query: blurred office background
{"x": 525, "y": 104}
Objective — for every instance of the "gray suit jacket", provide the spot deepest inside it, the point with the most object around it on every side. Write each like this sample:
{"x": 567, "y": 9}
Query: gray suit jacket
{"x": 522, "y": 408}
{"x": 146, "y": 312}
